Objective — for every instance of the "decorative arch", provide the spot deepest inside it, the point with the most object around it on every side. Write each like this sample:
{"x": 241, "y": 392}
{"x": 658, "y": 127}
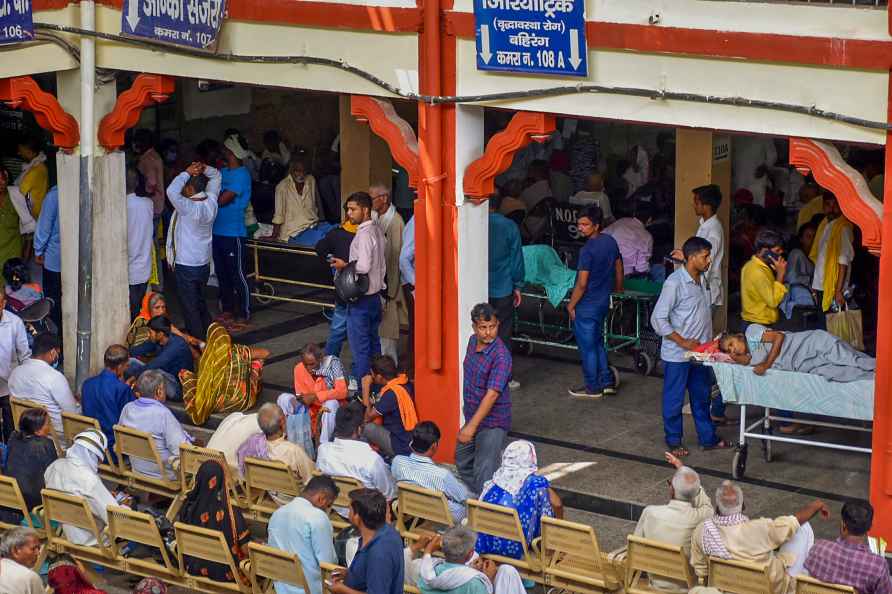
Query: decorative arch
{"x": 524, "y": 127}
{"x": 22, "y": 92}
{"x": 146, "y": 90}
{"x": 830, "y": 170}
{"x": 396, "y": 132}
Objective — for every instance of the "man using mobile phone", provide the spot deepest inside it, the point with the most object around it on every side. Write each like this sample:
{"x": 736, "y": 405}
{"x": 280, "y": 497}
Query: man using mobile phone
{"x": 762, "y": 286}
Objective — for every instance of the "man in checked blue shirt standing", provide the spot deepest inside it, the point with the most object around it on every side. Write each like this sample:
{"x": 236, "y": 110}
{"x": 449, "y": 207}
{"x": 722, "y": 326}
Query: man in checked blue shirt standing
{"x": 683, "y": 317}
{"x": 419, "y": 468}
{"x": 487, "y": 400}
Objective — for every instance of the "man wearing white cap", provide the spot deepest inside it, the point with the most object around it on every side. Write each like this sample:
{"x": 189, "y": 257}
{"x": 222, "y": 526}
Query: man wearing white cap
{"x": 78, "y": 474}
{"x": 229, "y": 237}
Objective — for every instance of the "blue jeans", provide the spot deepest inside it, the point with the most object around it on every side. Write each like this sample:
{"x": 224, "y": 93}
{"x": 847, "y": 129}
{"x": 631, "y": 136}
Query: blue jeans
{"x": 679, "y": 377}
{"x": 478, "y": 460}
{"x": 191, "y": 283}
{"x": 337, "y": 332}
{"x": 363, "y": 320}
{"x": 589, "y": 330}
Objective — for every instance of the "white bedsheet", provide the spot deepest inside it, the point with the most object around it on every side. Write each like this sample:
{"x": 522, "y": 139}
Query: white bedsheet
{"x": 799, "y": 392}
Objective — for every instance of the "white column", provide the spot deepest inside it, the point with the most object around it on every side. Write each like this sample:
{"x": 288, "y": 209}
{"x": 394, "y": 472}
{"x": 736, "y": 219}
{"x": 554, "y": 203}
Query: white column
{"x": 473, "y": 228}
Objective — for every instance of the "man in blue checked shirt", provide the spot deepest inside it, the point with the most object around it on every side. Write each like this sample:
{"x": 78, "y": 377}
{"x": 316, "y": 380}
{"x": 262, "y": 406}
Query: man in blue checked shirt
{"x": 419, "y": 468}
{"x": 487, "y": 400}
{"x": 683, "y": 317}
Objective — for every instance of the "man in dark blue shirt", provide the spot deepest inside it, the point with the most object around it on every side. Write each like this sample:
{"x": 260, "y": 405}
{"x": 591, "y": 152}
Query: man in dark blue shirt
{"x": 599, "y": 273}
{"x": 105, "y": 395}
{"x": 169, "y": 352}
{"x": 395, "y": 407}
{"x": 377, "y": 567}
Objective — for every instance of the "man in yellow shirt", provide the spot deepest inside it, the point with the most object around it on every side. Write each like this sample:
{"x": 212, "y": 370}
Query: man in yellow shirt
{"x": 762, "y": 280}
{"x": 33, "y": 182}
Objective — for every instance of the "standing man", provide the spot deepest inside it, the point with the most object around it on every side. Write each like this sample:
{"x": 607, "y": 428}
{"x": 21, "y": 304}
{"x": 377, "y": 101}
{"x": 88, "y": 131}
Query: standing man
{"x": 33, "y": 181}
{"x": 706, "y": 206}
{"x": 487, "y": 400}
{"x": 139, "y": 238}
{"x": 337, "y": 243}
{"x": 407, "y": 276}
{"x": 683, "y": 318}
{"x": 506, "y": 271}
{"x": 762, "y": 285}
{"x": 364, "y": 315}
{"x": 151, "y": 166}
{"x": 14, "y": 350}
{"x": 48, "y": 252}
{"x": 193, "y": 194}
{"x": 599, "y": 273}
{"x": 832, "y": 253}
{"x": 392, "y": 225}
{"x": 229, "y": 238}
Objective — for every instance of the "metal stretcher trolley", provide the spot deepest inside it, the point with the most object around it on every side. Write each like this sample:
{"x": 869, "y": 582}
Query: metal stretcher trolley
{"x": 313, "y": 273}
{"x": 798, "y": 392}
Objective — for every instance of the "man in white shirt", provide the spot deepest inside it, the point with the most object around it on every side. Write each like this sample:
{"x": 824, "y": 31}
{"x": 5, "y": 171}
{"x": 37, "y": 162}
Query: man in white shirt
{"x": 706, "y": 206}
{"x": 140, "y": 209}
{"x": 832, "y": 253}
{"x": 14, "y": 350}
{"x": 674, "y": 522}
{"x": 193, "y": 194}
{"x": 37, "y": 380}
{"x": 19, "y": 549}
{"x": 594, "y": 196}
{"x": 231, "y": 433}
{"x": 347, "y": 456}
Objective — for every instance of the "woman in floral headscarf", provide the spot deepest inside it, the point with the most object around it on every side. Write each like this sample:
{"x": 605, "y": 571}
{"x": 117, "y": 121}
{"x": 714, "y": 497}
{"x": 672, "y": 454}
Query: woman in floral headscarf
{"x": 208, "y": 506}
{"x": 516, "y": 485}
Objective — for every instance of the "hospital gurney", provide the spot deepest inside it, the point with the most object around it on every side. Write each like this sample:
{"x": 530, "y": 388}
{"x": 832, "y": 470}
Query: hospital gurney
{"x": 314, "y": 274}
{"x": 797, "y": 392}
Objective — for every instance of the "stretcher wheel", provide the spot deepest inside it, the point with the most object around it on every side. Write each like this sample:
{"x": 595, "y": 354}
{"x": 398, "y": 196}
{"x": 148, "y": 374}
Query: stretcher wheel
{"x": 615, "y": 373}
{"x": 267, "y": 290}
{"x": 644, "y": 363}
{"x": 738, "y": 464}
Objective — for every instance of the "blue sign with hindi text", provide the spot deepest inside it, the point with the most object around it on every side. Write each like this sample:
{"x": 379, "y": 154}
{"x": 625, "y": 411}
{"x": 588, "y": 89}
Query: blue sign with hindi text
{"x": 531, "y": 36}
{"x": 16, "y": 22}
{"x": 193, "y": 23}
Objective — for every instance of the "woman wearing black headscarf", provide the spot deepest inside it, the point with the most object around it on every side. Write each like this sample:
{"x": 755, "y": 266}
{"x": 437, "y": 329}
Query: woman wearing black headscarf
{"x": 31, "y": 451}
{"x": 208, "y": 506}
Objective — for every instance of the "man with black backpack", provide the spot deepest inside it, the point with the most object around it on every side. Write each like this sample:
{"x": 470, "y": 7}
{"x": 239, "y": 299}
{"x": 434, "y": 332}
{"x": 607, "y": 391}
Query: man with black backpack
{"x": 367, "y": 260}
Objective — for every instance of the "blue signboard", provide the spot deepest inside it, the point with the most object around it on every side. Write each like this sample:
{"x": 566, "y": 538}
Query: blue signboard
{"x": 531, "y": 36}
{"x": 16, "y": 22}
{"x": 193, "y": 23}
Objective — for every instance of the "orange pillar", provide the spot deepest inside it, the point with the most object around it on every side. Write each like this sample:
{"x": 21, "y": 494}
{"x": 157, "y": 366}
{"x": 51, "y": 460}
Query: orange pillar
{"x": 436, "y": 300}
{"x": 881, "y": 461}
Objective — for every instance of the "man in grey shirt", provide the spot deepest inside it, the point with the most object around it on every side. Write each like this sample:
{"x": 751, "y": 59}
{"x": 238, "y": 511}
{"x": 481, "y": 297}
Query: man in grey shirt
{"x": 364, "y": 315}
{"x": 683, "y": 317}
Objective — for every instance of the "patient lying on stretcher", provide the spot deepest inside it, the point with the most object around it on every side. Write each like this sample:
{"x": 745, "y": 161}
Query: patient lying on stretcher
{"x": 814, "y": 351}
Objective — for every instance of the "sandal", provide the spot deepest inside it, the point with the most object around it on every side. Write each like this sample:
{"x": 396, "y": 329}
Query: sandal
{"x": 679, "y": 451}
{"x": 720, "y": 445}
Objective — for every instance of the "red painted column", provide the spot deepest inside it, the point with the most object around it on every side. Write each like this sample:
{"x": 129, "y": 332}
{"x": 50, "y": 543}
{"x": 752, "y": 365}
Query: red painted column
{"x": 436, "y": 251}
{"x": 881, "y": 462}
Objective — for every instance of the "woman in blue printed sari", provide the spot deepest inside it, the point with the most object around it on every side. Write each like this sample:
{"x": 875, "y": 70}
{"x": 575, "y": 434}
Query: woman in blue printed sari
{"x": 516, "y": 485}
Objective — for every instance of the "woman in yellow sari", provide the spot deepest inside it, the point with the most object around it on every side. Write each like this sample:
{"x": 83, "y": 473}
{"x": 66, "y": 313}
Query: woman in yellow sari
{"x": 229, "y": 376}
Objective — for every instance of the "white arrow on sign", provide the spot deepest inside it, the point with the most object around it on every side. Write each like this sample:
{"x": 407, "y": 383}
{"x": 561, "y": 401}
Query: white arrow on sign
{"x": 575, "y": 60}
{"x": 484, "y": 44}
{"x": 133, "y": 14}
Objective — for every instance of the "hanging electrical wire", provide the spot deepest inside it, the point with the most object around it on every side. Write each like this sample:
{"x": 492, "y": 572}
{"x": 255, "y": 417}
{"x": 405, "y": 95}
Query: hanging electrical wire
{"x": 555, "y": 91}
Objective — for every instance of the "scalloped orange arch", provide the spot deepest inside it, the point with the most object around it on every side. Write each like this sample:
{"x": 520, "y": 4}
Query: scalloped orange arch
{"x": 146, "y": 89}
{"x": 22, "y": 92}
{"x": 830, "y": 170}
{"x": 396, "y": 132}
{"x": 479, "y": 179}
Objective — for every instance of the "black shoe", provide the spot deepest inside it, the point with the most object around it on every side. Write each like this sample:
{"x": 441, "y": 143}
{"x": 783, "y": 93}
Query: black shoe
{"x": 610, "y": 390}
{"x": 583, "y": 392}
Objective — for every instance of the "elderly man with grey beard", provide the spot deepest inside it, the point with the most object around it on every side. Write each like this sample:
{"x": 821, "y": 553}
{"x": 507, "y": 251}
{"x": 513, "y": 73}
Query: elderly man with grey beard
{"x": 461, "y": 570}
{"x": 780, "y": 544}
{"x": 19, "y": 549}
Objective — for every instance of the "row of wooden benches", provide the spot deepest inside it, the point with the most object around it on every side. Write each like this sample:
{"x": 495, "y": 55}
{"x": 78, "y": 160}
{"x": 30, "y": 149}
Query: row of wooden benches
{"x": 567, "y": 555}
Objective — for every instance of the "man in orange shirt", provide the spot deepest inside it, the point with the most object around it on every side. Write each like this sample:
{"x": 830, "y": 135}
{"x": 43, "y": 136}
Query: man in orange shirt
{"x": 320, "y": 383}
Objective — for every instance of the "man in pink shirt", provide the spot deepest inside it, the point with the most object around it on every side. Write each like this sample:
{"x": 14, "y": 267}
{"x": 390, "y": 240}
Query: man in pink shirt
{"x": 634, "y": 240}
{"x": 151, "y": 166}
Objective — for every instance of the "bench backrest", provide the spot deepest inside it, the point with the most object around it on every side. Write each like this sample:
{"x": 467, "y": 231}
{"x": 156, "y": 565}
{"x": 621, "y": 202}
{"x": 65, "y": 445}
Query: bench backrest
{"x": 133, "y": 526}
{"x": 739, "y": 577}
{"x": 270, "y": 475}
{"x": 274, "y": 564}
{"x": 201, "y": 543}
{"x": 498, "y": 521}
{"x": 11, "y": 497}
{"x": 656, "y": 559}
{"x": 808, "y": 585}
{"x": 415, "y": 503}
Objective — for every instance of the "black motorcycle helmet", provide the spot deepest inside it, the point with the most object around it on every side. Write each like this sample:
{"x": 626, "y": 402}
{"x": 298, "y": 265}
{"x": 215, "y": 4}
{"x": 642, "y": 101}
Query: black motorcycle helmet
{"x": 349, "y": 284}
{"x": 16, "y": 273}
